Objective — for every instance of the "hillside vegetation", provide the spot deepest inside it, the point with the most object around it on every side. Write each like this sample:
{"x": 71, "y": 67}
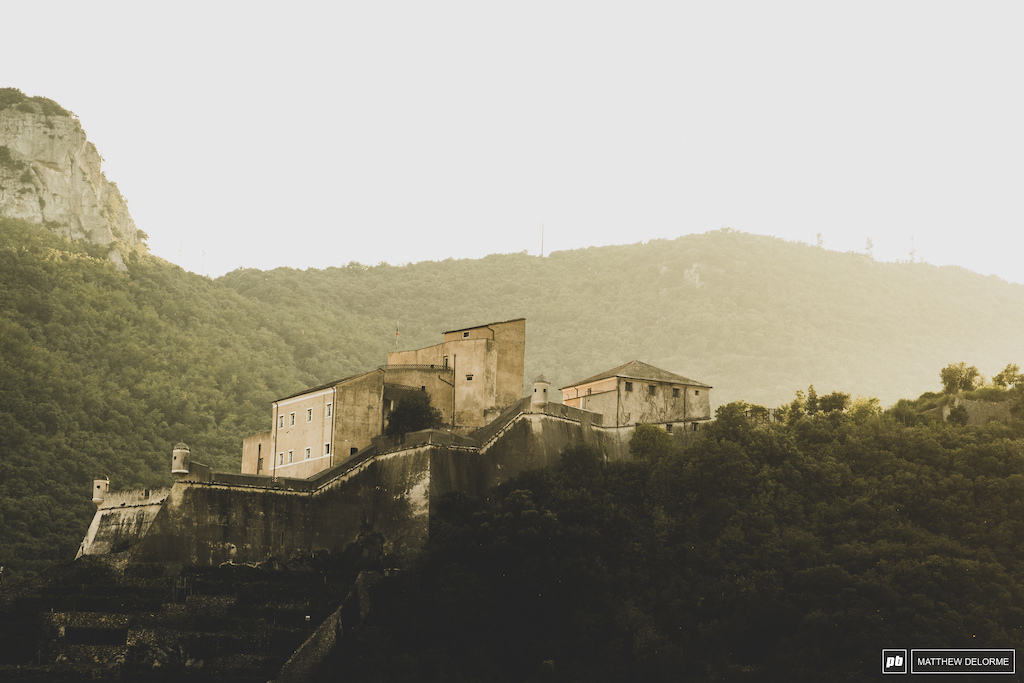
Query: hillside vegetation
{"x": 102, "y": 372}
{"x": 764, "y": 552}
{"x": 755, "y": 317}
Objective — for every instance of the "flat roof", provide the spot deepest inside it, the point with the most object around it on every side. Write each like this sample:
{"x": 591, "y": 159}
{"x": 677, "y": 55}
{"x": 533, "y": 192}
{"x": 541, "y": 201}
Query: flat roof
{"x": 477, "y": 327}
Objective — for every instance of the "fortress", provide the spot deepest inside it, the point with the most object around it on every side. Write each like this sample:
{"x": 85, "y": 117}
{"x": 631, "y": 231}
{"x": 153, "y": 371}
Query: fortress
{"x": 324, "y": 473}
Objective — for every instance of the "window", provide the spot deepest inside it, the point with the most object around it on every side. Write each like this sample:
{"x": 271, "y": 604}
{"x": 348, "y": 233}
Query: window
{"x": 465, "y": 335}
{"x": 309, "y": 414}
{"x": 651, "y": 389}
{"x": 353, "y": 450}
{"x": 291, "y": 454}
{"x": 308, "y": 453}
{"x": 696, "y": 392}
{"x": 280, "y": 458}
{"x": 327, "y": 449}
{"x": 280, "y": 421}
{"x": 694, "y": 426}
{"x": 469, "y": 378}
{"x": 259, "y": 465}
{"x": 590, "y": 391}
{"x": 629, "y": 386}
{"x": 291, "y": 419}
{"x": 327, "y": 411}
{"x": 668, "y": 428}
{"x": 675, "y": 393}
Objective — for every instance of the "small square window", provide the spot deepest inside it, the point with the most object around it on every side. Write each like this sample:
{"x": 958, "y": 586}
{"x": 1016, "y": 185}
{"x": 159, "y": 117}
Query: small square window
{"x": 668, "y": 428}
{"x": 291, "y": 419}
{"x": 696, "y": 392}
{"x": 327, "y": 412}
{"x": 651, "y": 389}
{"x": 629, "y": 386}
{"x": 675, "y": 393}
{"x": 469, "y": 378}
{"x": 465, "y": 335}
{"x": 308, "y": 453}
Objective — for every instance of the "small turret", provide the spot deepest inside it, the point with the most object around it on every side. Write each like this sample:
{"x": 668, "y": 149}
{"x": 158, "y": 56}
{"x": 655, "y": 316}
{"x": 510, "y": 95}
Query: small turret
{"x": 180, "y": 459}
{"x": 100, "y": 487}
{"x": 540, "y": 389}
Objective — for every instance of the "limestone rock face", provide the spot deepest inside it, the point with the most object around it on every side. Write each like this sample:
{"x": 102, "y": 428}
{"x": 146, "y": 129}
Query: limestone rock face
{"x": 50, "y": 173}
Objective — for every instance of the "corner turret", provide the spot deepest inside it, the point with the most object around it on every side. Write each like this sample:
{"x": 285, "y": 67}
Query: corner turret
{"x": 180, "y": 459}
{"x": 540, "y": 390}
{"x": 100, "y": 487}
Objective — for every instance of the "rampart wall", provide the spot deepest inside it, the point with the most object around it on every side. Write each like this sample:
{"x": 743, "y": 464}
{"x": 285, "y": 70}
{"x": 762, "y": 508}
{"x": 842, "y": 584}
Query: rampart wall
{"x": 209, "y": 518}
{"x": 121, "y": 520}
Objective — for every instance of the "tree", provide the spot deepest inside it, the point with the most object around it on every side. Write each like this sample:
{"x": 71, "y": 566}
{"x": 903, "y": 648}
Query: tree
{"x": 958, "y": 377}
{"x": 412, "y": 414}
{"x": 958, "y": 415}
{"x": 837, "y": 401}
{"x": 1009, "y": 377}
{"x": 812, "y": 400}
{"x": 865, "y": 407}
{"x": 650, "y": 443}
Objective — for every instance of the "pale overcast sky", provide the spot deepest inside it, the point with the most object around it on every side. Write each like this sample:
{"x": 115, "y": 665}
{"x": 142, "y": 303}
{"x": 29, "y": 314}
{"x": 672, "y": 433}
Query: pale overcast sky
{"x": 315, "y": 134}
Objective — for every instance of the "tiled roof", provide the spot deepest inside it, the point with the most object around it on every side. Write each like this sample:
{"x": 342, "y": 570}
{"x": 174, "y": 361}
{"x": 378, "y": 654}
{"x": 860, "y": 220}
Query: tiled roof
{"x": 639, "y": 370}
{"x": 324, "y": 386}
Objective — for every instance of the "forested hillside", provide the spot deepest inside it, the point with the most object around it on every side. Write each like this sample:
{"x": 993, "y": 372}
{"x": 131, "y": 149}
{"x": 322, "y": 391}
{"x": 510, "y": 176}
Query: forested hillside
{"x": 102, "y": 372}
{"x": 764, "y": 552}
{"x": 756, "y": 317}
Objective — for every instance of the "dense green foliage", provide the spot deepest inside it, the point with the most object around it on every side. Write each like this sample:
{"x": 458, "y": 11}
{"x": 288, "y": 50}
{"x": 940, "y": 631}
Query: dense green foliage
{"x": 102, "y": 372}
{"x": 412, "y": 414}
{"x": 788, "y": 552}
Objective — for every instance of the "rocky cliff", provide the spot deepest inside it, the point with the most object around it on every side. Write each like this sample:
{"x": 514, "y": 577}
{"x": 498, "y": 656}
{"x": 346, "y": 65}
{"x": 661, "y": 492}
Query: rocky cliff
{"x": 50, "y": 174}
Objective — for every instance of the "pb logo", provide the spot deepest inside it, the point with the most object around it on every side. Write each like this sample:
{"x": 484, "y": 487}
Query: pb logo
{"x": 894, "y": 661}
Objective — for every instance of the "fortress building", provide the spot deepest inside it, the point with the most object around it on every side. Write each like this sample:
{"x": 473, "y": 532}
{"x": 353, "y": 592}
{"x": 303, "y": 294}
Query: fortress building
{"x": 638, "y": 393}
{"x": 471, "y": 376}
{"x": 324, "y": 473}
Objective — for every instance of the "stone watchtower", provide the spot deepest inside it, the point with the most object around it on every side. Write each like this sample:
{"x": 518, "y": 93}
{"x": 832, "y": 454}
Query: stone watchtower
{"x": 180, "y": 459}
{"x": 540, "y": 390}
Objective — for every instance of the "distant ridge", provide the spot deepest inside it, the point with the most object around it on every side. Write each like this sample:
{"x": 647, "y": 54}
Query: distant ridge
{"x": 756, "y": 317}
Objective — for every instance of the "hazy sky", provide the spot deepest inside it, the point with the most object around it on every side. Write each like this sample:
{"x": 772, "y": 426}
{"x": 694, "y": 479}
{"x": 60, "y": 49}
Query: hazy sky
{"x": 315, "y": 134}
